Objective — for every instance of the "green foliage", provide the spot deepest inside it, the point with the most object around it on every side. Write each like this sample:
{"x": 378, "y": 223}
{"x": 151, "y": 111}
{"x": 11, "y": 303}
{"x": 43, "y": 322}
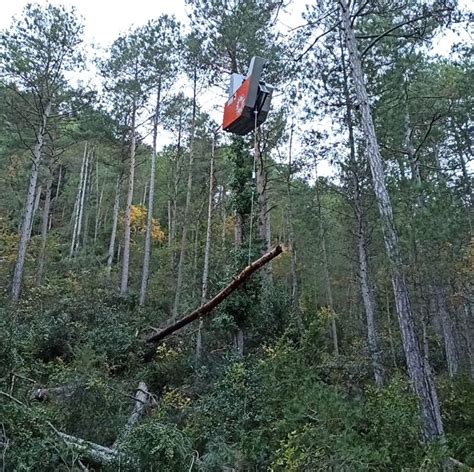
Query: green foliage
{"x": 32, "y": 445}
{"x": 288, "y": 404}
{"x": 157, "y": 446}
{"x": 458, "y": 405}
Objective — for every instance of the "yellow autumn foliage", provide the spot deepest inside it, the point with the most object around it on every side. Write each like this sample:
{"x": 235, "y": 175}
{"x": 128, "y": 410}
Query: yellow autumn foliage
{"x": 138, "y": 219}
{"x": 175, "y": 399}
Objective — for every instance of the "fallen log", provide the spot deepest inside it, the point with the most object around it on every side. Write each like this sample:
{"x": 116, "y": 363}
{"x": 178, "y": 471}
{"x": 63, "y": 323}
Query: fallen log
{"x": 89, "y": 450}
{"x": 219, "y": 298}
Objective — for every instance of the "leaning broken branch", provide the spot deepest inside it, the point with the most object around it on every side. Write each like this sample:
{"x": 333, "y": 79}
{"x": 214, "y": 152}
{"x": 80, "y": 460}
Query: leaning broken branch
{"x": 219, "y": 298}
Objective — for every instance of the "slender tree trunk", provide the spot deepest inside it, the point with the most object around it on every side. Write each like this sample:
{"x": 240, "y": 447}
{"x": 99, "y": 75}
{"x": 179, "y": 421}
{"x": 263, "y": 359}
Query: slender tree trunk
{"x": 168, "y": 205}
{"x": 60, "y": 175}
{"x": 222, "y": 205}
{"x": 82, "y": 203}
{"x": 418, "y": 368}
{"x": 194, "y": 284}
{"x": 291, "y": 238}
{"x": 437, "y": 289}
{"x": 207, "y": 249}
{"x": 44, "y": 229}
{"x": 467, "y": 332}
{"x": 77, "y": 203}
{"x": 238, "y": 230}
{"x": 128, "y": 208}
{"x": 239, "y": 338}
{"x": 151, "y": 197}
{"x": 184, "y": 234}
{"x": 449, "y": 330}
{"x": 54, "y": 200}
{"x": 173, "y": 205}
{"x": 389, "y": 329}
{"x": 87, "y": 198}
{"x": 369, "y": 304}
{"x": 364, "y": 278}
{"x": 99, "y": 196}
{"x": 145, "y": 190}
{"x": 113, "y": 234}
{"x": 98, "y": 214}
{"x": 263, "y": 211}
{"x": 35, "y": 208}
{"x": 29, "y": 205}
{"x": 327, "y": 277}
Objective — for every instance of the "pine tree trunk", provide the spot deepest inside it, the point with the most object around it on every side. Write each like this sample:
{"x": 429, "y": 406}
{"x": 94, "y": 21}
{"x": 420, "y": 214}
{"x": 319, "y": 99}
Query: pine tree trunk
{"x": 173, "y": 205}
{"x": 29, "y": 205}
{"x": 369, "y": 305}
{"x": 327, "y": 278}
{"x": 87, "y": 198}
{"x": 418, "y": 368}
{"x": 60, "y": 174}
{"x": 82, "y": 203}
{"x": 99, "y": 197}
{"x": 151, "y": 197}
{"x": 35, "y": 208}
{"x": 145, "y": 190}
{"x": 207, "y": 249}
{"x": 189, "y": 188}
{"x": 44, "y": 229}
{"x": 291, "y": 238}
{"x": 238, "y": 230}
{"x": 113, "y": 234}
{"x": 467, "y": 332}
{"x": 77, "y": 204}
{"x": 128, "y": 208}
{"x": 263, "y": 213}
{"x": 364, "y": 278}
{"x": 98, "y": 214}
{"x": 448, "y": 329}
{"x": 222, "y": 205}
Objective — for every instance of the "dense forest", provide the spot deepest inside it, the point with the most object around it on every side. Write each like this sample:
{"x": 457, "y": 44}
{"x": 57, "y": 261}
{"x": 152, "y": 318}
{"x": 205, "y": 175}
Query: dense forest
{"x": 348, "y": 342}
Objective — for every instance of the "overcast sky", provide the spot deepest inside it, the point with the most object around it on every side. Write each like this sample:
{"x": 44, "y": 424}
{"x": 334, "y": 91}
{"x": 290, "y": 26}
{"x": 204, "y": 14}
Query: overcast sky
{"x": 105, "y": 19}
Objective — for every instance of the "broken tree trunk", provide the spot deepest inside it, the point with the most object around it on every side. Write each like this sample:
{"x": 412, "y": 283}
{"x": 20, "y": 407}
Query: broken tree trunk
{"x": 89, "y": 450}
{"x": 219, "y": 298}
{"x": 102, "y": 454}
{"x": 142, "y": 403}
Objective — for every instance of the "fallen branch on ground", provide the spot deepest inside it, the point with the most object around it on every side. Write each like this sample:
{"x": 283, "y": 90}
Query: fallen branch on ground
{"x": 89, "y": 450}
{"x": 219, "y": 298}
